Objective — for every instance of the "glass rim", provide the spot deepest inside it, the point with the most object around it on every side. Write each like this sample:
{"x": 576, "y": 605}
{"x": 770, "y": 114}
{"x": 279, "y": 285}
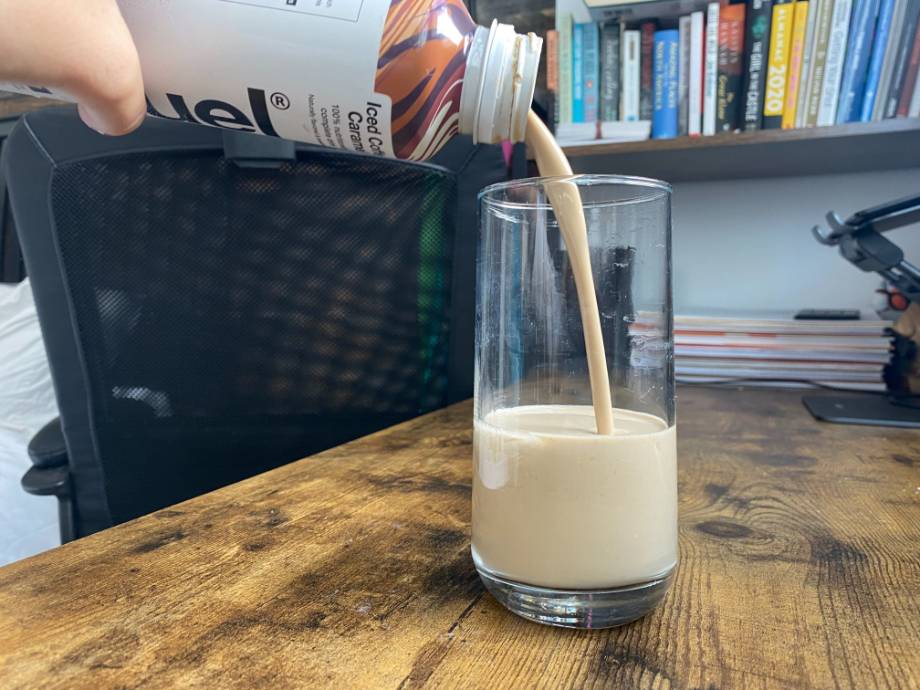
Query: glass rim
{"x": 655, "y": 190}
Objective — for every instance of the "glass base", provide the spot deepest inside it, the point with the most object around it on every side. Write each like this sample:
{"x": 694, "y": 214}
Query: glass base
{"x": 578, "y": 608}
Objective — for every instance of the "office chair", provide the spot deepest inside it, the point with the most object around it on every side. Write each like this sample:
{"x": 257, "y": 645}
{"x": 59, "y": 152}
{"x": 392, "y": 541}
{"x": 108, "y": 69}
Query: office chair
{"x": 12, "y": 267}
{"x": 215, "y": 304}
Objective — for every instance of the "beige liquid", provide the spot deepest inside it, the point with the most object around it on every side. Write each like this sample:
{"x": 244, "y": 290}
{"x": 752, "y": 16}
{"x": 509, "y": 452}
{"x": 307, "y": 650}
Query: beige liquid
{"x": 554, "y": 503}
{"x": 557, "y": 505}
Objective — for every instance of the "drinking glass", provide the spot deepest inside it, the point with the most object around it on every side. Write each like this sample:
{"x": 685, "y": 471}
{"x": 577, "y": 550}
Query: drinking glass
{"x": 572, "y": 527}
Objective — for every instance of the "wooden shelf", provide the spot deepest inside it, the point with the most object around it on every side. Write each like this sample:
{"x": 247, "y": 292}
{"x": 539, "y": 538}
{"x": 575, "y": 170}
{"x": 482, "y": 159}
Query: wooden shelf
{"x": 857, "y": 147}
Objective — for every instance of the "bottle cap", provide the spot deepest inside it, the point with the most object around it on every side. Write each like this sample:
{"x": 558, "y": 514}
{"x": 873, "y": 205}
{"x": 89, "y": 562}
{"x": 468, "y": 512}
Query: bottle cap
{"x": 501, "y": 73}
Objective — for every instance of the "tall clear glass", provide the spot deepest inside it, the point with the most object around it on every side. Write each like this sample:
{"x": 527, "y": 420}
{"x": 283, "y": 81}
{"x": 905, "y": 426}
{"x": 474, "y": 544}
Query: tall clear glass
{"x": 572, "y": 527}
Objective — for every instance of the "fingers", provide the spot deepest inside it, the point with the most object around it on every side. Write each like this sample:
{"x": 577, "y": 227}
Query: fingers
{"x": 83, "y": 48}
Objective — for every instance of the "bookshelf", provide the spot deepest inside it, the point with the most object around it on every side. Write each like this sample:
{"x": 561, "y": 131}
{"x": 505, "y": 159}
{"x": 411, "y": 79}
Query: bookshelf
{"x": 857, "y": 147}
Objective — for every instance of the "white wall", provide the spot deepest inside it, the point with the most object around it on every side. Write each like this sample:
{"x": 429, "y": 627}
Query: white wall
{"x": 747, "y": 244}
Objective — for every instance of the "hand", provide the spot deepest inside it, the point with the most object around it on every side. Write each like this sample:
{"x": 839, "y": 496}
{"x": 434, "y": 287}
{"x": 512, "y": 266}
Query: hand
{"x": 79, "y": 46}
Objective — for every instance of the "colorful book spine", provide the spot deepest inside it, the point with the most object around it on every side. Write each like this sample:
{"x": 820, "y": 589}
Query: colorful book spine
{"x": 646, "y": 65}
{"x": 695, "y": 90}
{"x": 565, "y": 68}
{"x": 818, "y": 62}
{"x": 891, "y": 49}
{"x": 778, "y": 66}
{"x": 610, "y": 72}
{"x": 683, "y": 75}
{"x": 804, "y": 78}
{"x": 731, "y": 61}
{"x": 578, "y": 73}
{"x": 552, "y": 60}
{"x": 910, "y": 81}
{"x": 876, "y": 59}
{"x": 755, "y": 46}
{"x": 833, "y": 65}
{"x": 629, "y": 96}
{"x": 853, "y": 83}
{"x": 796, "y": 53}
{"x": 591, "y": 64}
{"x": 711, "y": 69}
{"x": 664, "y": 84}
{"x": 902, "y": 58}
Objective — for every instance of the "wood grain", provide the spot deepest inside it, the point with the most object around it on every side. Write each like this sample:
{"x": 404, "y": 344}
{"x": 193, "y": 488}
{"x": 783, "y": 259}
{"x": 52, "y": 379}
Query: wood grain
{"x": 12, "y": 105}
{"x": 800, "y": 568}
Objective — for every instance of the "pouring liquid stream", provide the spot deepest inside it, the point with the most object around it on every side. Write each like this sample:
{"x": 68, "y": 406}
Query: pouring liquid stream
{"x": 566, "y": 202}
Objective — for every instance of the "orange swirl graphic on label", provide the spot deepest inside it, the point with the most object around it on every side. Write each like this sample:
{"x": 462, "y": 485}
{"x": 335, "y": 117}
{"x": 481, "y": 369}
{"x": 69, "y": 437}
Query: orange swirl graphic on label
{"x": 421, "y": 65}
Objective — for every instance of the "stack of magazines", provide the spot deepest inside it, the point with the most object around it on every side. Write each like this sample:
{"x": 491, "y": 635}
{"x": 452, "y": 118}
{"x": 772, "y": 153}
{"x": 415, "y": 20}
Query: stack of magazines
{"x": 777, "y": 349}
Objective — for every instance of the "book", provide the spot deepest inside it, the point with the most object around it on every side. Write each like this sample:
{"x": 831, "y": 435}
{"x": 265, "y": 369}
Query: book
{"x": 804, "y": 75}
{"x": 730, "y": 62}
{"x": 683, "y": 75}
{"x": 796, "y": 53}
{"x": 711, "y": 69}
{"x": 902, "y": 58}
{"x": 833, "y": 64}
{"x": 610, "y": 71}
{"x": 914, "y": 110}
{"x": 891, "y": 49}
{"x": 876, "y": 59}
{"x": 584, "y": 133}
{"x": 695, "y": 89}
{"x": 664, "y": 84}
{"x": 578, "y": 73}
{"x": 552, "y": 60}
{"x": 629, "y": 94}
{"x": 646, "y": 66}
{"x": 774, "y": 99}
{"x": 565, "y": 68}
{"x": 910, "y": 79}
{"x": 822, "y": 33}
{"x": 853, "y": 83}
{"x": 760, "y": 16}
{"x": 590, "y": 63}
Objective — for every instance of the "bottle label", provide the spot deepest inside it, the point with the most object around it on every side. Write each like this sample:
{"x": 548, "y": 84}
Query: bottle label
{"x": 264, "y": 66}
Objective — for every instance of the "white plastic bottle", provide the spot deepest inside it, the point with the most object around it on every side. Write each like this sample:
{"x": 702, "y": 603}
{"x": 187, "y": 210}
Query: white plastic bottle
{"x": 393, "y": 78}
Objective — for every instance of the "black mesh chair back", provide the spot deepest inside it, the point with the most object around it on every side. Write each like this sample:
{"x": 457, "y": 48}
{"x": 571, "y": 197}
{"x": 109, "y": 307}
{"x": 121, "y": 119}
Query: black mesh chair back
{"x": 208, "y": 318}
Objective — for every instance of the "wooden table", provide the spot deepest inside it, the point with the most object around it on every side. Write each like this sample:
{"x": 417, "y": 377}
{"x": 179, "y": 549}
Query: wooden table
{"x": 800, "y": 547}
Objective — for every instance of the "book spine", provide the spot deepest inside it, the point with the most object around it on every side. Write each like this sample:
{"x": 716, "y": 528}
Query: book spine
{"x": 629, "y": 97}
{"x": 591, "y": 66}
{"x": 564, "y": 97}
{"x": 891, "y": 49}
{"x": 578, "y": 73}
{"x": 910, "y": 80}
{"x": 902, "y": 58}
{"x": 805, "y": 79}
{"x": 853, "y": 82}
{"x": 818, "y": 61}
{"x": 552, "y": 60}
{"x": 695, "y": 90}
{"x": 876, "y": 59}
{"x": 664, "y": 84}
{"x": 683, "y": 75}
{"x": 778, "y": 67}
{"x": 711, "y": 69}
{"x": 731, "y": 61}
{"x": 796, "y": 51}
{"x": 833, "y": 65}
{"x": 755, "y": 50}
{"x": 610, "y": 72}
{"x": 914, "y": 110}
{"x": 646, "y": 65}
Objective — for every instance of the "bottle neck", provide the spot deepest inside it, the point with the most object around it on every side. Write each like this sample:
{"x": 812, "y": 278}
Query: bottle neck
{"x": 498, "y": 86}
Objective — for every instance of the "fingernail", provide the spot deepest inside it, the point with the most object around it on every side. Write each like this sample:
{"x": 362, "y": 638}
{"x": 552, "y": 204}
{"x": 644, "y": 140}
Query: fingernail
{"x": 92, "y": 120}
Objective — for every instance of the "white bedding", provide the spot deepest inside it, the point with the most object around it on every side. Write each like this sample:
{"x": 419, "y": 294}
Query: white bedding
{"x": 28, "y": 524}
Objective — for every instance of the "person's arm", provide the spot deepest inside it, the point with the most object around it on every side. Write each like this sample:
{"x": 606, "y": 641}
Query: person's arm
{"x": 80, "y": 46}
